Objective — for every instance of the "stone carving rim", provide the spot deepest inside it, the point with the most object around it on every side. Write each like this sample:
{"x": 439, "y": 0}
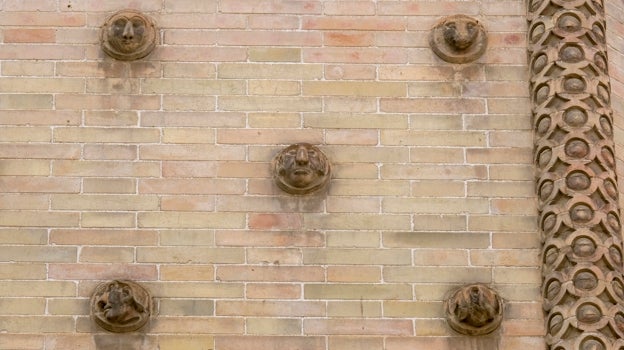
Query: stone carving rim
{"x": 443, "y": 49}
{"x": 150, "y": 36}
{"x": 137, "y": 292}
{"x": 464, "y": 328}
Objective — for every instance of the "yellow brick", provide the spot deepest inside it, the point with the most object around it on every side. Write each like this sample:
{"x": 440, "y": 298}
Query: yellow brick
{"x": 191, "y": 220}
{"x": 274, "y": 326}
{"x": 26, "y": 101}
{"x": 275, "y": 54}
{"x": 269, "y": 103}
{"x": 191, "y": 255}
{"x": 185, "y": 342}
{"x": 106, "y": 254}
{"x": 39, "y": 219}
{"x": 22, "y": 306}
{"x": 168, "y": 325}
{"x": 99, "y": 168}
{"x": 193, "y": 86}
{"x": 187, "y": 135}
{"x": 187, "y": 273}
{"x": 274, "y": 88}
{"x": 22, "y": 271}
{"x": 37, "y": 289}
{"x": 25, "y": 134}
{"x": 344, "y": 308}
{"x": 108, "y": 219}
{"x": 270, "y": 71}
{"x": 186, "y": 307}
{"x": 66, "y": 306}
{"x": 113, "y": 86}
{"x": 377, "y": 89}
{"x": 409, "y": 309}
{"x": 274, "y": 120}
{"x": 24, "y": 201}
{"x": 355, "y": 121}
{"x": 96, "y": 185}
{"x": 23, "y": 236}
{"x": 358, "y": 291}
{"x": 105, "y": 135}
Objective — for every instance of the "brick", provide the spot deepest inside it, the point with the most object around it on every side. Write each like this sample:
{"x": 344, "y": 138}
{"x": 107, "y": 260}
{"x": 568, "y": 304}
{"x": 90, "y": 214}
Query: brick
{"x": 119, "y": 102}
{"x": 39, "y": 184}
{"x": 93, "y": 168}
{"x": 355, "y": 343}
{"x": 104, "y": 202}
{"x": 190, "y": 255}
{"x": 177, "y": 6}
{"x": 368, "y": 309}
{"x": 266, "y": 71}
{"x": 44, "y": 19}
{"x": 295, "y": 7}
{"x": 270, "y": 239}
{"x": 409, "y": 309}
{"x": 26, "y": 101}
{"x": 274, "y": 256}
{"x": 191, "y": 152}
{"x": 24, "y": 201}
{"x": 21, "y": 134}
{"x": 353, "y": 205}
{"x": 191, "y": 186}
{"x": 192, "y": 86}
{"x": 21, "y": 341}
{"x": 503, "y": 223}
{"x": 108, "y": 220}
{"x": 24, "y": 236}
{"x": 354, "y": 55}
{"x": 188, "y": 70}
{"x": 58, "y": 306}
{"x": 192, "y": 119}
{"x": 270, "y": 273}
{"x": 186, "y": 342}
{"x": 264, "y": 136}
{"x": 359, "y": 326}
{"x": 105, "y": 237}
{"x": 26, "y": 68}
{"x": 279, "y": 88}
{"x": 359, "y": 221}
{"x": 187, "y": 273}
{"x": 37, "y": 324}
{"x": 350, "y": 71}
{"x": 188, "y": 289}
{"x": 106, "y": 135}
{"x": 355, "y": 121}
{"x": 270, "y": 308}
{"x": 350, "y": 239}
{"x": 356, "y": 274}
{"x": 267, "y": 342}
{"x": 106, "y": 255}
{"x": 381, "y": 89}
{"x": 221, "y": 325}
{"x": 184, "y": 237}
{"x": 186, "y": 307}
{"x": 433, "y": 138}
{"x": 436, "y": 240}
{"x": 440, "y": 343}
{"x": 270, "y": 38}
{"x": 110, "y": 185}
{"x": 39, "y": 219}
{"x": 22, "y": 271}
{"x": 273, "y": 326}
{"x": 111, "y": 118}
{"x": 435, "y": 205}
{"x": 113, "y": 86}
{"x": 353, "y": 291}
{"x": 273, "y": 54}
{"x": 501, "y": 257}
{"x": 357, "y": 256}
{"x": 432, "y": 105}
{"x": 433, "y": 172}
{"x": 84, "y": 271}
{"x": 272, "y": 291}
{"x": 46, "y": 289}
{"x": 184, "y": 203}
{"x": 437, "y": 274}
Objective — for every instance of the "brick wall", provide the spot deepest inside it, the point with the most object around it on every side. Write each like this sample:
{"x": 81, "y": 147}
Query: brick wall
{"x": 158, "y": 171}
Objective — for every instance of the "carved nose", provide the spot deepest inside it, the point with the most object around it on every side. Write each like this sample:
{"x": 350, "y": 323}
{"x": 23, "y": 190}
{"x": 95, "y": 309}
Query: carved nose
{"x": 128, "y": 32}
{"x": 302, "y": 156}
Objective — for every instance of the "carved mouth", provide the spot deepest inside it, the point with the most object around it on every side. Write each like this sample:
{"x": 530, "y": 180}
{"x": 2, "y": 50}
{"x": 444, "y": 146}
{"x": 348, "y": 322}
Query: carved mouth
{"x": 302, "y": 171}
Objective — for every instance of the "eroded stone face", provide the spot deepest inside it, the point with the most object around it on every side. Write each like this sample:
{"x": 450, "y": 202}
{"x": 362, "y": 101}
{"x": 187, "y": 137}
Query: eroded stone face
{"x": 120, "y": 306}
{"x": 301, "y": 168}
{"x": 128, "y": 35}
{"x": 458, "y": 39}
{"x": 474, "y": 310}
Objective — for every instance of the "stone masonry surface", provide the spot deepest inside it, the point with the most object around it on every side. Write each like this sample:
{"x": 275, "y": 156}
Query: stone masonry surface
{"x": 158, "y": 171}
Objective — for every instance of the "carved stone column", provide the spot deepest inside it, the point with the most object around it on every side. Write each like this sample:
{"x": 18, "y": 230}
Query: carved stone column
{"x": 579, "y": 218}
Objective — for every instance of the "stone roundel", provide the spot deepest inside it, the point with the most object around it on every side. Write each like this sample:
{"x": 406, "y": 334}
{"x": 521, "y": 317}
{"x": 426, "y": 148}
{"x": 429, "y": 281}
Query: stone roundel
{"x": 128, "y": 35}
{"x": 474, "y": 309}
{"x": 458, "y": 39}
{"x": 121, "y": 306}
{"x": 301, "y": 168}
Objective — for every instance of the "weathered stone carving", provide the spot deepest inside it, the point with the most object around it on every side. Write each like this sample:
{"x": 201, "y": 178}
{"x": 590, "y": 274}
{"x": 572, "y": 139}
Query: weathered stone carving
{"x": 583, "y": 287}
{"x": 474, "y": 310}
{"x": 458, "y": 39}
{"x": 121, "y": 306}
{"x": 128, "y": 35}
{"x": 301, "y": 168}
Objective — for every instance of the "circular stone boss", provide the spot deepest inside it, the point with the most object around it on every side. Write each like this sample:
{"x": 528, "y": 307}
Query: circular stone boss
{"x": 458, "y": 39}
{"x": 301, "y": 168}
{"x": 121, "y": 306}
{"x": 128, "y": 35}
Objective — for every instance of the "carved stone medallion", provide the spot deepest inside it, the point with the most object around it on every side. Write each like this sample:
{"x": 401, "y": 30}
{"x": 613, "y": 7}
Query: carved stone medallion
{"x": 301, "y": 168}
{"x": 128, "y": 35}
{"x": 458, "y": 39}
{"x": 474, "y": 310}
{"x": 121, "y": 306}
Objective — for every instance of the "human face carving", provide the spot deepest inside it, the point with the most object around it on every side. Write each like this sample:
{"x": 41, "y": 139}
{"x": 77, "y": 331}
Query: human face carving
{"x": 128, "y": 35}
{"x": 120, "y": 306}
{"x": 458, "y": 39}
{"x": 300, "y": 169}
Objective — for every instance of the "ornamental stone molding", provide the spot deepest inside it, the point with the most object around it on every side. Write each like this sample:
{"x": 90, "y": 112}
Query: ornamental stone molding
{"x": 458, "y": 39}
{"x": 474, "y": 310}
{"x": 579, "y": 217}
{"x": 301, "y": 168}
{"x": 128, "y": 35}
{"x": 121, "y": 306}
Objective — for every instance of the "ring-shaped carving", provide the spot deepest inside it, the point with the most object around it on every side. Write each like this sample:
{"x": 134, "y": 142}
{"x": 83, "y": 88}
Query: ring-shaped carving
{"x": 592, "y": 340}
{"x": 591, "y": 314}
{"x": 458, "y": 39}
{"x": 587, "y": 281}
{"x": 554, "y": 289}
{"x": 474, "y": 310}
{"x": 301, "y": 168}
{"x": 128, "y": 35}
{"x": 121, "y": 306}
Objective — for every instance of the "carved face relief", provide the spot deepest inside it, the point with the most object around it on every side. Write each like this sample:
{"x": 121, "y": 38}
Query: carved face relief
{"x": 458, "y": 39}
{"x": 474, "y": 310}
{"x": 128, "y": 35}
{"x": 120, "y": 306}
{"x": 301, "y": 169}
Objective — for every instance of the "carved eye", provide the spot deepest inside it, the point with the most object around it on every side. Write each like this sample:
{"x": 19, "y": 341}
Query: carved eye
{"x": 101, "y": 304}
{"x": 470, "y": 26}
{"x": 118, "y": 26}
{"x": 292, "y": 152}
{"x": 138, "y": 25}
{"x": 311, "y": 153}
{"x": 451, "y": 25}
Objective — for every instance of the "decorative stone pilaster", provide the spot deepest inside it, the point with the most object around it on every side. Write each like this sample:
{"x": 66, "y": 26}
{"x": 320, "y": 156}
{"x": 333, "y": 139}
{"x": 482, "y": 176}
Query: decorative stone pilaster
{"x": 579, "y": 217}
